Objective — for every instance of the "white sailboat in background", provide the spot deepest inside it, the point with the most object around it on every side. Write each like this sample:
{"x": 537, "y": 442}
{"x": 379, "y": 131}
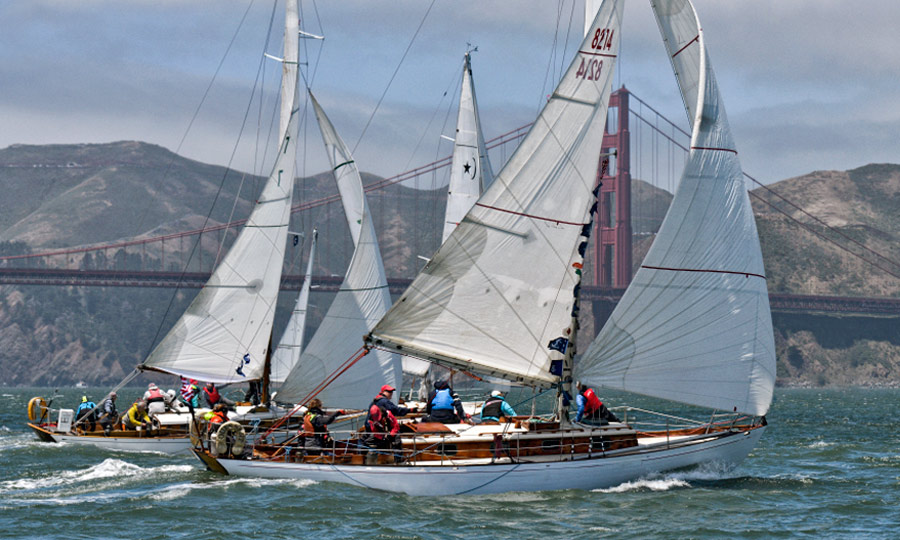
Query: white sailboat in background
{"x": 225, "y": 334}
{"x": 287, "y": 354}
{"x": 361, "y": 301}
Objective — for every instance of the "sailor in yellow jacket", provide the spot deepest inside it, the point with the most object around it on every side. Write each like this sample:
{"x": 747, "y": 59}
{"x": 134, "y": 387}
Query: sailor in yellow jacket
{"x": 137, "y": 417}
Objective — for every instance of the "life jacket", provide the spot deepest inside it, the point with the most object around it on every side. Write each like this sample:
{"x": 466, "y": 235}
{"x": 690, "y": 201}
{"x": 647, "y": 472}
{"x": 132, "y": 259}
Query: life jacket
{"x": 492, "y": 408}
{"x": 213, "y": 396}
{"x": 218, "y": 417}
{"x": 309, "y": 429}
{"x": 442, "y": 400}
{"x": 155, "y": 395}
{"x": 593, "y": 402}
{"x": 380, "y": 422}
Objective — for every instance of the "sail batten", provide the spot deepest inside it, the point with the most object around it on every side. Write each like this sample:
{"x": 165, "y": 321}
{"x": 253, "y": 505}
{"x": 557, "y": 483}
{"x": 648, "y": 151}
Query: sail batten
{"x": 694, "y": 325}
{"x": 501, "y": 287}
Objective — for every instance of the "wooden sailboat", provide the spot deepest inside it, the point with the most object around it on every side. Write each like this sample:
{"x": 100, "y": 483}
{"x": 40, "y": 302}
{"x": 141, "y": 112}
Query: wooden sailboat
{"x": 224, "y": 336}
{"x": 694, "y": 327}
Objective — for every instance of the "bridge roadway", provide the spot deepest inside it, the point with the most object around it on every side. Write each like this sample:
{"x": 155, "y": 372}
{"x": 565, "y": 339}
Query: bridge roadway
{"x": 784, "y": 303}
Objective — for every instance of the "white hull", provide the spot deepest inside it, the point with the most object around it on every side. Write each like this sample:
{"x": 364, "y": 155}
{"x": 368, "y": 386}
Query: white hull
{"x": 480, "y": 479}
{"x": 129, "y": 444}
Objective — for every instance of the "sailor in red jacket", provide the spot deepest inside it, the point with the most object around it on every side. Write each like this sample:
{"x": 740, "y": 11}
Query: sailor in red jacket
{"x": 381, "y": 429}
{"x": 591, "y": 409}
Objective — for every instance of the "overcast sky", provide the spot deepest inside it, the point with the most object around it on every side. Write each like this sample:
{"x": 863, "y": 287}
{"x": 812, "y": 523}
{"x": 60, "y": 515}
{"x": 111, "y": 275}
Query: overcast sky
{"x": 808, "y": 84}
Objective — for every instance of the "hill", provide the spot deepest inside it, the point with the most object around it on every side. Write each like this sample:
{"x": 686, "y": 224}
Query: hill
{"x": 73, "y": 195}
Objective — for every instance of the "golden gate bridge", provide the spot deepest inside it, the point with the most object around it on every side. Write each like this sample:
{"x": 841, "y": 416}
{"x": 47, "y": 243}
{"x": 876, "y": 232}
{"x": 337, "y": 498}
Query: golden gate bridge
{"x": 610, "y": 252}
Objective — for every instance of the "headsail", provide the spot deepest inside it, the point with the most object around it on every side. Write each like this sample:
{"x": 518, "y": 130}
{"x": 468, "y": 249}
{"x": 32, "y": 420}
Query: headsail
{"x": 694, "y": 325}
{"x": 287, "y": 354}
{"x": 361, "y": 301}
{"x": 224, "y": 334}
{"x": 500, "y": 289}
{"x": 470, "y": 168}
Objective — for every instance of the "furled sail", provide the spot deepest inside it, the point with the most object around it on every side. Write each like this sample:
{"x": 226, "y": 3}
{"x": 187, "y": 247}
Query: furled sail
{"x": 500, "y": 289}
{"x": 287, "y": 354}
{"x": 224, "y": 334}
{"x": 694, "y": 326}
{"x": 361, "y": 301}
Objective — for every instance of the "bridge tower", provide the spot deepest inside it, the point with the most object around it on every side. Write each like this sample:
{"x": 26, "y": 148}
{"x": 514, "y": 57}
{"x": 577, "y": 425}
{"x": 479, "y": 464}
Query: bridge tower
{"x": 612, "y": 231}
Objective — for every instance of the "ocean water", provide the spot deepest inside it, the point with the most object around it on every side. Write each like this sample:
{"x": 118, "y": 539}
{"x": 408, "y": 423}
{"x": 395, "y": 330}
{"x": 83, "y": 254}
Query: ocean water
{"x": 827, "y": 467}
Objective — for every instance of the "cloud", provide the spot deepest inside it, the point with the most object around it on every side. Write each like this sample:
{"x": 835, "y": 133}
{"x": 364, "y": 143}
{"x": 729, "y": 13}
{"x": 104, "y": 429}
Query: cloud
{"x": 809, "y": 84}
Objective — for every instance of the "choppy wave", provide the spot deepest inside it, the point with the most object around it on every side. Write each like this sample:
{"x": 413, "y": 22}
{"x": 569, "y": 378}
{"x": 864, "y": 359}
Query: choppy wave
{"x": 177, "y": 491}
{"x": 820, "y": 444}
{"x": 110, "y": 468}
{"x": 649, "y": 484}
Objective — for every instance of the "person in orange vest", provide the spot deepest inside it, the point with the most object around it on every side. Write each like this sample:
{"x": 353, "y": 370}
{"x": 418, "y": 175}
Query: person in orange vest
{"x": 591, "y": 409}
{"x": 314, "y": 434}
{"x": 381, "y": 430}
{"x": 217, "y": 417}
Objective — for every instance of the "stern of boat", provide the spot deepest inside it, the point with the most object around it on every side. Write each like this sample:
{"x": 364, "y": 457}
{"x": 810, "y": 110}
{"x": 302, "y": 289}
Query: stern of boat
{"x": 212, "y": 464}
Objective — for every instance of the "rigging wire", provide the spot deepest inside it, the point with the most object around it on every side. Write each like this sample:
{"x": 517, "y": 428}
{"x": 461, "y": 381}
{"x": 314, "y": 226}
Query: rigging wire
{"x": 394, "y": 75}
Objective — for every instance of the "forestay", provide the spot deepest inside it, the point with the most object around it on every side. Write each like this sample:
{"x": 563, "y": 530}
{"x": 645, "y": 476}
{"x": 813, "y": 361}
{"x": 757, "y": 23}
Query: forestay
{"x": 361, "y": 301}
{"x": 287, "y": 354}
{"x": 500, "y": 289}
{"x": 224, "y": 334}
{"x": 694, "y": 326}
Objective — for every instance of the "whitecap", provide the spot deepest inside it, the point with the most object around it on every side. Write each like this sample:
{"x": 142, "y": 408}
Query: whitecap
{"x": 659, "y": 484}
{"x": 820, "y": 444}
{"x": 109, "y": 468}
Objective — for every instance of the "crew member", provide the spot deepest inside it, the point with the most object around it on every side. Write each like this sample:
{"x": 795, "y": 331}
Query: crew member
{"x": 495, "y": 407}
{"x": 155, "y": 398}
{"x": 444, "y": 405}
{"x": 216, "y": 417}
{"x": 86, "y": 410}
{"x": 213, "y": 397}
{"x": 108, "y": 413}
{"x": 315, "y": 427}
{"x": 591, "y": 409}
{"x": 381, "y": 430}
{"x": 383, "y": 400}
{"x": 137, "y": 417}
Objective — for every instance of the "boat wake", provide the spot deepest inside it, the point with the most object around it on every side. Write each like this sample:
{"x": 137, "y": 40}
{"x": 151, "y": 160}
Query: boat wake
{"x": 646, "y": 484}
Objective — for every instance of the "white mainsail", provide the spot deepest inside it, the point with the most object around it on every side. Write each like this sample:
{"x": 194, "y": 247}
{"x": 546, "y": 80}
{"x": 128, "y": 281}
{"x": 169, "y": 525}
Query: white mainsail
{"x": 500, "y": 289}
{"x": 361, "y": 301}
{"x": 287, "y": 354}
{"x": 224, "y": 335}
{"x": 694, "y": 326}
{"x": 470, "y": 168}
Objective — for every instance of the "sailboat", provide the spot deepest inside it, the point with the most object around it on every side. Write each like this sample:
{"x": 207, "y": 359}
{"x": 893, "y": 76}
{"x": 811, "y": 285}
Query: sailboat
{"x": 225, "y": 334}
{"x": 694, "y": 327}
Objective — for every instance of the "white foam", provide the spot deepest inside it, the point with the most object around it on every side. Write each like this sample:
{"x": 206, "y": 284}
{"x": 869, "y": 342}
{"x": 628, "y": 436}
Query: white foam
{"x": 661, "y": 484}
{"x": 820, "y": 444}
{"x": 176, "y": 491}
{"x": 108, "y": 468}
